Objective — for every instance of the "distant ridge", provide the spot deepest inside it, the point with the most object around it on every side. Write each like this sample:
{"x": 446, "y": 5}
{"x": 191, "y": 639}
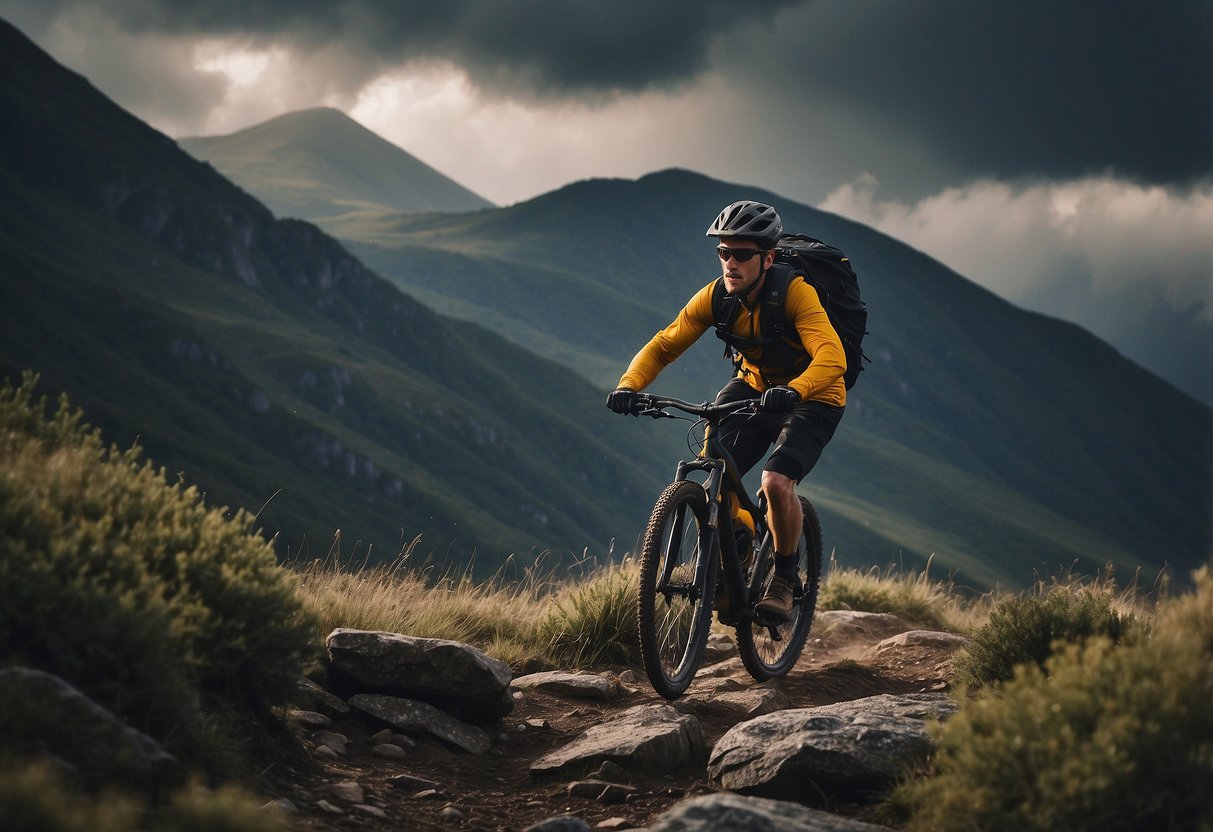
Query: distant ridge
{"x": 255, "y": 359}
{"x": 320, "y": 163}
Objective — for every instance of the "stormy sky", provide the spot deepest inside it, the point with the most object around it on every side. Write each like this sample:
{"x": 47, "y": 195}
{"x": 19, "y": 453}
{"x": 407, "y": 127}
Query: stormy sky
{"x": 1060, "y": 153}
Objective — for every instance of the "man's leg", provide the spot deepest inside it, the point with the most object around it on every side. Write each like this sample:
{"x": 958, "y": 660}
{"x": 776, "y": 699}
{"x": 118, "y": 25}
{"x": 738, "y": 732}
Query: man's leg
{"x": 806, "y": 432}
{"x": 785, "y": 515}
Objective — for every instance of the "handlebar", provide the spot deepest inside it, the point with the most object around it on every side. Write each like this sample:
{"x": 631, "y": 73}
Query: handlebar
{"x": 648, "y": 404}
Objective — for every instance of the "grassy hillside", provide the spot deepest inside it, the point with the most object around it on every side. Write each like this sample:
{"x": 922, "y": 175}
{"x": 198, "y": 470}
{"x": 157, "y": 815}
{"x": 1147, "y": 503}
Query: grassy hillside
{"x": 262, "y": 362}
{"x": 177, "y": 621}
{"x": 321, "y": 163}
{"x": 1002, "y": 441}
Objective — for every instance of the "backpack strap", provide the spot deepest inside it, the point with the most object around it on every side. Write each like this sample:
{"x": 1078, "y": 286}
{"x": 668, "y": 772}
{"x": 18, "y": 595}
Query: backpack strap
{"x": 724, "y": 309}
{"x": 774, "y": 301}
{"x": 774, "y": 335}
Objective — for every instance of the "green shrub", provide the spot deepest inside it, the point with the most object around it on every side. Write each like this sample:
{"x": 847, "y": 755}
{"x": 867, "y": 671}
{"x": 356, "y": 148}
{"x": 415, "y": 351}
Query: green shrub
{"x": 229, "y": 808}
{"x": 1105, "y": 737}
{"x": 1027, "y": 629}
{"x": 159, "y": 608}
{"x": 592, "y": 623}
{"x": 912, "y": 597}
{"x": 34, "y": 799}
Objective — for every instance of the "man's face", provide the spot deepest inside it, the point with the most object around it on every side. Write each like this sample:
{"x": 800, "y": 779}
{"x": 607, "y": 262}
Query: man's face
{"x": 740, "y": 277}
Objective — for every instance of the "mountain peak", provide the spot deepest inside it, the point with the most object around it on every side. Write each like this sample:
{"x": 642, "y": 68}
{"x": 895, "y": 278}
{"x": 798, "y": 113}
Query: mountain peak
{"x": 320, "y": 163}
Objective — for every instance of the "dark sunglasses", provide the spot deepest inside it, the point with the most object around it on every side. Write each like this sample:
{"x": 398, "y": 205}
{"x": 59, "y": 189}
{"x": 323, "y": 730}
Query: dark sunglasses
{"x": 741, "y": 255}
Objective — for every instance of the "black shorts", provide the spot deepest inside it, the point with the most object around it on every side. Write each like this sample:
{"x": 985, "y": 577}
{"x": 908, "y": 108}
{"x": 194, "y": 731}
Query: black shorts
{"x": 799, "y": 436}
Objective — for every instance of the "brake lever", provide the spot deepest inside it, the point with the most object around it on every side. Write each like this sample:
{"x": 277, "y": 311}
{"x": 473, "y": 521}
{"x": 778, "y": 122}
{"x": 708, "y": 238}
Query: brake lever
{"x": 656, "y": 413}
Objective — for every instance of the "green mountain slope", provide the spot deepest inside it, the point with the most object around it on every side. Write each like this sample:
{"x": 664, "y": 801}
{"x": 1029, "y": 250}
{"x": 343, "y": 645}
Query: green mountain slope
{"x": 257, "y": 359}
{"x": 1002, "y": 442}
{"x": 321, "y": 163}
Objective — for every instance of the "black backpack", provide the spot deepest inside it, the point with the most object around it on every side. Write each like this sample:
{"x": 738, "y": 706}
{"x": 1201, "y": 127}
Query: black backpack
{"x": 828, "y": 271}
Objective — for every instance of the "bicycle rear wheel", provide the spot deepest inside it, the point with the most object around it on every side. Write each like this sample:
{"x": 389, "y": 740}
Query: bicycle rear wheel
{"x": 771, "y": 650}
{"x": 675, "y": 613}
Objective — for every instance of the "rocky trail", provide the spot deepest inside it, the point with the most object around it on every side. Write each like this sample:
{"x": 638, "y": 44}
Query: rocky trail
{"x": 523, "y": 770}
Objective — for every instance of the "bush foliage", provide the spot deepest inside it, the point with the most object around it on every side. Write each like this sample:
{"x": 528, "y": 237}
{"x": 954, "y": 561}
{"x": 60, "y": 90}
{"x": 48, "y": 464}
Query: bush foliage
{"x": 593, "y": 623}
{"x": 33, "y": 798}
{"x": 165, "y": 611}
{"x": 911, "y": 596}
{"x": 1028, "y": 628}
{"x": 1102, "y": 737}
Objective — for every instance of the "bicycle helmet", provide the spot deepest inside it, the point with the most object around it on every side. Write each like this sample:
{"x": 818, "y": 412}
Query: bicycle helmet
{"x": 750, "y": 221}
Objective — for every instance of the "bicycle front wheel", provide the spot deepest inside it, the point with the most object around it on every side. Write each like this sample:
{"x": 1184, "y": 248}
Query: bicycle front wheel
{"x": 771, "y": 650}
{"x": 675, "y": 611}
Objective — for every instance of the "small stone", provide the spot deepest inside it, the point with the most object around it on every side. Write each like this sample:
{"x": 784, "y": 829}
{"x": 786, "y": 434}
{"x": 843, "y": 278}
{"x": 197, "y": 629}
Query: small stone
{"x": 408, "y": 781}
{"x": 537, "y": 723}
{"x": 586, "y": 788}
{"x": 324, "y": 751}
{"x": 616, "y": 823}
{"x": 600, "y": 790}
{"x": 615, "y": 793}
{"x": 310, "y": 718}
{"x": 389, "y": 751}
{"x": 426, "y": 794}
{"x": 333, "y": 740}
{"x": 325, "y": 806}
{"x": 628, "y": 677}
{"x": 451, "y": 813}
{"x": 373, "y": 811}
{"x": 347, "y": 790}
{"x": 381, "y": 736}
{"x": 282, "y": 804}
{"x": 612, "y": 772}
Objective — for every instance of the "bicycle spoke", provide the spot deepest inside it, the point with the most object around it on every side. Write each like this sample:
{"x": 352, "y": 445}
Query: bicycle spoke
{"x": 771, "y": 649}
{"x": 673, "y": 631}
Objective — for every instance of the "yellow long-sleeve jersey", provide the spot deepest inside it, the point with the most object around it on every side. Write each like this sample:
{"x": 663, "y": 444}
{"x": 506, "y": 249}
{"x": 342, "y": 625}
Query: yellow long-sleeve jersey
{"x": 820, "y": 381}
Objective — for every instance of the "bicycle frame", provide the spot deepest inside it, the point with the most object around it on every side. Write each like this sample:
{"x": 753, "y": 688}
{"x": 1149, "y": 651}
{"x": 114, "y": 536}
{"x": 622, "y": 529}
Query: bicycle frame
{"x": 680, "y": 570}
{"x": 718, "y": 463}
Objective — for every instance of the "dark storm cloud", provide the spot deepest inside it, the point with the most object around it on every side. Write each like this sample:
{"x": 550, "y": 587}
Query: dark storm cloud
{"x": 915, "y": 91}
{"x": 553, "y": 47}
{"x": 1018, "y": 89}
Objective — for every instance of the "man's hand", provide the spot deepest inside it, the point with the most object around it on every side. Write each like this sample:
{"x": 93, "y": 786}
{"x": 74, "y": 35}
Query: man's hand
{"x": 779, "y": 400}
{"x": 622, "y": 400}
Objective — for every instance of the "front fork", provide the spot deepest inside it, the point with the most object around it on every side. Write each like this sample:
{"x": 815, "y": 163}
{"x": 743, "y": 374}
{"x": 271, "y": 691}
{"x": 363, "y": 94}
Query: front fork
{"x": 719, "y": 528}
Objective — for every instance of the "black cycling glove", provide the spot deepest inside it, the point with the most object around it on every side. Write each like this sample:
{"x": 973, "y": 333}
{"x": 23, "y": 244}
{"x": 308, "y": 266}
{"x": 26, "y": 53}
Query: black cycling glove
{"x": 779, "y": 400}
{"x": 622, "y": 400}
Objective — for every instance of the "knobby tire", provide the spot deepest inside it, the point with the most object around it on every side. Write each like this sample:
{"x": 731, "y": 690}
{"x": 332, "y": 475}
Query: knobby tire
{"x": 771, "y": 651}
{"x": 674, "y": 618}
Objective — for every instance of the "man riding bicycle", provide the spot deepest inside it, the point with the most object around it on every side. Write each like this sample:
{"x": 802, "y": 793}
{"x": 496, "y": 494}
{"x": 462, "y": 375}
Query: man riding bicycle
{"x": 798, "y": 380}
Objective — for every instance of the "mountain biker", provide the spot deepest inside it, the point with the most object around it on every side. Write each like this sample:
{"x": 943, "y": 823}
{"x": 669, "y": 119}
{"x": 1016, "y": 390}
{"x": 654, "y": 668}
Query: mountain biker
{"x": 798, "y": 413}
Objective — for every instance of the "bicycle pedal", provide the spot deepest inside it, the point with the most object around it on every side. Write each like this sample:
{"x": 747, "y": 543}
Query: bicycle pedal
{"x": 767, "y": 622}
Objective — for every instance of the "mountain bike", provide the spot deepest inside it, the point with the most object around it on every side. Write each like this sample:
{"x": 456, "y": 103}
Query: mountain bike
{"x": 690, "y": 543}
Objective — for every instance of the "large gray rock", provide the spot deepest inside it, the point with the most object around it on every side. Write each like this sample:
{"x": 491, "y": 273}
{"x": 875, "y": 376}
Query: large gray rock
{"x": 744, "y": 703}
{"x": 569, "y": 683}
{"x": 420, "y": 717}
{"x": 47, "y": 715}
{"x": 454, "y": 676}
{"x": 858, "y": 624}
{"x": 847, "y": 750}
{"x": 734, "y": 813}
{"x": 648, "y": 738}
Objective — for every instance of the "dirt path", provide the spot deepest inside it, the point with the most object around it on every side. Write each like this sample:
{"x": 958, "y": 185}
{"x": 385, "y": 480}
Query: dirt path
{"x": 495, "y": 791}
